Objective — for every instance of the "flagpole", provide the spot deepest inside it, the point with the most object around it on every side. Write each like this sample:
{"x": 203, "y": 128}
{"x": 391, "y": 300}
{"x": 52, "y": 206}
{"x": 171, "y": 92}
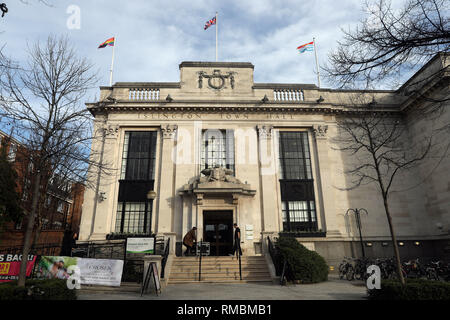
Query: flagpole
{"x": 112, "y": 63}
{"x": 317, "y": 63}
{"x": 217, "y": 32}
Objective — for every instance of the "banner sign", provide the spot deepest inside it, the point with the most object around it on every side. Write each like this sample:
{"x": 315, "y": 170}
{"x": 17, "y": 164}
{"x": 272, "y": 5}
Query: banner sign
{"x": 141, "y": 245}
{"x": 103, "y": 272}
{"x": 50, "y": 267}
{"x": 10, "y": 266}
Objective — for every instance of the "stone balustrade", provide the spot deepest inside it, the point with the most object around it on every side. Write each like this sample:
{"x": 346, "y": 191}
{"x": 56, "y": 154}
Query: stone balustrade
{"x": 143, "y": 94}
{"x": 288, "y": 95}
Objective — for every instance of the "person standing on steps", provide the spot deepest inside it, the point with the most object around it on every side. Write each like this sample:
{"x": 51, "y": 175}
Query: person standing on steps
{"x": 189, "y": 239}
{"x": 237, "y": 240}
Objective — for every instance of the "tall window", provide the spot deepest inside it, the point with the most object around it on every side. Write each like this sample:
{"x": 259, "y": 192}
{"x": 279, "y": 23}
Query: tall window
{"x": 296, "y": 183}
{"x": 217, "y": 148}
{"x": 136, "y": 180}
{"x": 138, "y": 159}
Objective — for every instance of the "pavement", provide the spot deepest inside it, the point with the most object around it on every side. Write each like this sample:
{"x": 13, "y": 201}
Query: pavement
{"x": 333, "y": 289}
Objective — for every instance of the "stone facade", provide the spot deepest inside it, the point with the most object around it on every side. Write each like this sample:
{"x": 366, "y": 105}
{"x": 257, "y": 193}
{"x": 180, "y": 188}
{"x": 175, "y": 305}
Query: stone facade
{"x": 223, "y": 96}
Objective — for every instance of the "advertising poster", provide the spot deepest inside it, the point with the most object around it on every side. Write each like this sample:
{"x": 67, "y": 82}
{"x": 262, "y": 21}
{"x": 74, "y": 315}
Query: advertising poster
{"x": 50, "y": 267}
{"x": 103, "y": 272}
{"x": 10, "y": 266}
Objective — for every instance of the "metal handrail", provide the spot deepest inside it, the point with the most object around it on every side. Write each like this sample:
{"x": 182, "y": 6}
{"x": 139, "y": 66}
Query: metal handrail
{"x": 200, "y": 261}
{"x": 275, "y": 261}
{"x": 282, "y": 277}
{"x": 282, "y": 268}
{"x": 165, "y": 256}
{"x": 239, "y": 257}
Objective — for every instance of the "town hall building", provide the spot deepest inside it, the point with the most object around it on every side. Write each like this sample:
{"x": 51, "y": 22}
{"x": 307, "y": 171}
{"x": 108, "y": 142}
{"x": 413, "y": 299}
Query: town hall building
{"x": 216, "y": 148}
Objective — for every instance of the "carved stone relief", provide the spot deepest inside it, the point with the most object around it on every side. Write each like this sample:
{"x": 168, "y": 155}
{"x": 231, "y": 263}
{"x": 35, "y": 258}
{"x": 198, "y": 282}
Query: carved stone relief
{"x": 111, "y": 131}
{"x": 320, "y": 131}
{"x": 169, "y": 131}
{"x": 216, "y": 80}
{"x": 265, "y": 131}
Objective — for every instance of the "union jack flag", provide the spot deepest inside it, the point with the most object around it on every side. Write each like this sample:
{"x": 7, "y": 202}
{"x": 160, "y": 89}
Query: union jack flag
{"x": 210, "y": 23}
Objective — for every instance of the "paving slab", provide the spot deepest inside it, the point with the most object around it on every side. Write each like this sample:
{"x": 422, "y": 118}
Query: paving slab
{"x": 333, "y": 289}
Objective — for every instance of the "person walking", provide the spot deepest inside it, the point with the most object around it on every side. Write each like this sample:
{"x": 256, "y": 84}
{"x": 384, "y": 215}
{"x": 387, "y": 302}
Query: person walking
{"x": 237, "y": 240}
{"x": 189, "y": 239}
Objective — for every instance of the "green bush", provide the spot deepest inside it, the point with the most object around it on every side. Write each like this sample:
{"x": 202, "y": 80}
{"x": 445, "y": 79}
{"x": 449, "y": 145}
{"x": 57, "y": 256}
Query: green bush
{"x": 414, "y": 289}
{"x": 53, "y": 289}
{"x": 305, "y": 265}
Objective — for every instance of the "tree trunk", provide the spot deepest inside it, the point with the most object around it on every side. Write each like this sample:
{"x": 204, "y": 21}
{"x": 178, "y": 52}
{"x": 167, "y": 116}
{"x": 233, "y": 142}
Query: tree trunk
{"x": 29, "y": 232}
{"x": 394, "y": 242}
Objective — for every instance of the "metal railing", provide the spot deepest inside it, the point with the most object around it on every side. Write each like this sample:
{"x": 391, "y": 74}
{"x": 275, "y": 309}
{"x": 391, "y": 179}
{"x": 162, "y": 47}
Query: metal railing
{"x": 48, "y": 249}
{"x": 282, "y": 267}
{"x": 275, "y": 257}
{"x": 100, "y": 250}
{"x": 200, "y": 261}
{"x": 133, "y": 267}
{"x": 165, "y": 257}
{"x": 238, "y": 253}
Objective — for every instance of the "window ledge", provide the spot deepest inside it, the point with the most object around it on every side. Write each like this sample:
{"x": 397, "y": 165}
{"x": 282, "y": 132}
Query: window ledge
{"x": 304, "y": 234}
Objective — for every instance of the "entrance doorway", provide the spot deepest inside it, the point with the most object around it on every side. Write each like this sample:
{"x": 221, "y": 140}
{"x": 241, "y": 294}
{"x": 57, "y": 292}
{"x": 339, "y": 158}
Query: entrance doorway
{"x": 218, "y": 231}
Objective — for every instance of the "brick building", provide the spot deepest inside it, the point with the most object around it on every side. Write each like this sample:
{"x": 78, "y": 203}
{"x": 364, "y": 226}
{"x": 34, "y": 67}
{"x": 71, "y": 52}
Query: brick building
{"x": 59, "y": 206}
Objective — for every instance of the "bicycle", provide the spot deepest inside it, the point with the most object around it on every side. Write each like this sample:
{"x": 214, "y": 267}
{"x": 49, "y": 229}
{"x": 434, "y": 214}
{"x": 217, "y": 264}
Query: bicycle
{"x": 414, "y": 269}
{"x": 437, "y": 270}
{"x": 346, "y": 269}
{"x": 361, "y": 266}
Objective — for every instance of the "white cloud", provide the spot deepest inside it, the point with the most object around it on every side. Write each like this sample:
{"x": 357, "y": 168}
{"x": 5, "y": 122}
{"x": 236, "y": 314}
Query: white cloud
{"x": 153, "y": 37}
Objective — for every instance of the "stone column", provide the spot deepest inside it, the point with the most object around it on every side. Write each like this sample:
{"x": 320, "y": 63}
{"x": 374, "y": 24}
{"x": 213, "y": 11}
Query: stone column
{"x": 268, "y": 181}
{"x": 98, "y": 204}
{"x": 166, "y": 187}
{"x": 324, "y": 172}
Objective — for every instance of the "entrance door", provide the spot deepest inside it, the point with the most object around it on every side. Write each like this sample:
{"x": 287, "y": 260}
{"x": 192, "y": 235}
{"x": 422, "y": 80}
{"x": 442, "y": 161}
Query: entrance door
{"x": 218, "y": 231}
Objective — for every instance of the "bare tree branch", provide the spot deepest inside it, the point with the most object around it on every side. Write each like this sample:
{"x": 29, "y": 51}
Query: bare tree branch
{"x": 43, "y": 99}
{"x": 390, "y": 42}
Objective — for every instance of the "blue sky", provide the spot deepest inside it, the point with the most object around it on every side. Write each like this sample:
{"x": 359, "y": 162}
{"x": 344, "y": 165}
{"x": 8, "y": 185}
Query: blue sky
{"x": 155, "y": 36}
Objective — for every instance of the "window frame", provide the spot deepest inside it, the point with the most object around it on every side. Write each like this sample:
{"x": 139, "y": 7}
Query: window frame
{"x": 296, "y": 185}
{"x": 227, "y": 143}
{"x": 128, "y": 184}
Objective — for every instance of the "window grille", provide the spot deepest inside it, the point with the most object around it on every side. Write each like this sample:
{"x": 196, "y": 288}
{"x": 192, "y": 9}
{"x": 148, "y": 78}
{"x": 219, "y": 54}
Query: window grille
{"x": 296, "y": 182}
{"x": 137, "y": 176}
{"x": 217, "y": 148}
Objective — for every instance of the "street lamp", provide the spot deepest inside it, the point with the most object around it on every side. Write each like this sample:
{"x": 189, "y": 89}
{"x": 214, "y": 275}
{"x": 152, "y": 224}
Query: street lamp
{"x": 358, "y": 223}
{"x": 151, "y": 195}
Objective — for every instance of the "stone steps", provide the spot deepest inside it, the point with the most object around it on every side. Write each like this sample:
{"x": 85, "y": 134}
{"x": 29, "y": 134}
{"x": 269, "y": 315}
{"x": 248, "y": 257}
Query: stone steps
{"x": 219, "y": 273}
{"x": 180, "y": 281}
{"x": 219, "y": 270}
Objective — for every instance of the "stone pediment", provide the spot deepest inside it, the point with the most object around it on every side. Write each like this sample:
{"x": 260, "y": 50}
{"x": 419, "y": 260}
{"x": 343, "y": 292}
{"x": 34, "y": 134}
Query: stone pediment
{"x": 216, "y": 181}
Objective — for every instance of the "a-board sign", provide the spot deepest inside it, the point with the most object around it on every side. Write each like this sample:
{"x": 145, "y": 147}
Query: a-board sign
{"x": 152, "y": 272}
{"x": 156, "y": 277}
{"x": 141, "y": 245}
